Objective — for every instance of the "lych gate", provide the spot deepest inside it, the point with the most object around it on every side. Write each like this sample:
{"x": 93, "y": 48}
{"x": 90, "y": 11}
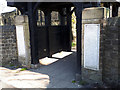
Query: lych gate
{"x": 50, "y": 27}
{"x": 50, "y": 34}
{"x": 52, "y": 24}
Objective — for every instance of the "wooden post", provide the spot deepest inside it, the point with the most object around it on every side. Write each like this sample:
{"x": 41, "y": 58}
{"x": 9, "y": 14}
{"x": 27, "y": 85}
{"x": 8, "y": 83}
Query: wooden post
{"x": 47, "y": 24}
{"x": 34, "y": 53}
{"x": 78, "y": 12}
{"x": 70, "y": 28}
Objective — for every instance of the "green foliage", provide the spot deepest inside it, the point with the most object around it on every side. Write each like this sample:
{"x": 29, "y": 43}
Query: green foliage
{"x": 11, "y": 65}
{"x": 23, "y": 69}
{"x": 73, "y": 44}
{"x": 73, "y": 81}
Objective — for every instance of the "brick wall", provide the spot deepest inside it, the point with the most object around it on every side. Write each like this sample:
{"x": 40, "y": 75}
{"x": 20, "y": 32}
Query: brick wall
{"x": 8, "y": 46}
{"x": 109, "y": 51}
{"x": 0, "y": 46}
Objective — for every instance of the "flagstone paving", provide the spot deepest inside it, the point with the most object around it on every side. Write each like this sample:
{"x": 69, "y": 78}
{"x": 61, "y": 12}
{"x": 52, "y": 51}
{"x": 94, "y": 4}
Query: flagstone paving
{"x": 59, "y": 74}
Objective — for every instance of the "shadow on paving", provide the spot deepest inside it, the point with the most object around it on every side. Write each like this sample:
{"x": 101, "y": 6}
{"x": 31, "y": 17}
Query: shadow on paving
{"x": 59, "y": 74}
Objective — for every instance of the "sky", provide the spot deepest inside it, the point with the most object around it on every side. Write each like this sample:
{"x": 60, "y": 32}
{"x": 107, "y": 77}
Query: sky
{"x": 3, "y": 3}
{"x": 4, "y": 8}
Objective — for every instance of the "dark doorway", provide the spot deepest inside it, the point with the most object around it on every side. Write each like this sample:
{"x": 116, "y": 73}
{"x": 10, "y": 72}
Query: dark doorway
{"x": 52, "y": 35}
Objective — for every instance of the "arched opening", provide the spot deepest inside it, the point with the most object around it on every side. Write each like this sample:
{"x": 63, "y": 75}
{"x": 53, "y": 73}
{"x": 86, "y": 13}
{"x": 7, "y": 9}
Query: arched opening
{"x": 40, "y": 18}
{"x": 55, "y": 18}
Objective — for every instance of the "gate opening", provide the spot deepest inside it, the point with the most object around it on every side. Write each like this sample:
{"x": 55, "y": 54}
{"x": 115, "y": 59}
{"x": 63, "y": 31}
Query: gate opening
{"x": 56, "y": 35}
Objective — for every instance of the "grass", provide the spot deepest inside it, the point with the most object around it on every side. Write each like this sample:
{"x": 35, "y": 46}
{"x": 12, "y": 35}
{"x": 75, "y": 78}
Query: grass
{"x": 73, "y": 81}
{"x": 23, "y": 69}
{"x": 11, "y": 65}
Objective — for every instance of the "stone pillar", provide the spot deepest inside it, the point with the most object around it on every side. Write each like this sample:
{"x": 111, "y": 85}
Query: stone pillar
{"x": 119, "y": 12}
{"x": 23, "y": 40}
{"x": 91, "y": 28}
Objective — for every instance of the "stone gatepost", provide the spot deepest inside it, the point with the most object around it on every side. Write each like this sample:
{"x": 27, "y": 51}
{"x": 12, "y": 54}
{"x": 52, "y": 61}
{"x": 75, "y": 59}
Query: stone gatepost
{"x": 23, "y": 40}
{"x": 92, "y": 24}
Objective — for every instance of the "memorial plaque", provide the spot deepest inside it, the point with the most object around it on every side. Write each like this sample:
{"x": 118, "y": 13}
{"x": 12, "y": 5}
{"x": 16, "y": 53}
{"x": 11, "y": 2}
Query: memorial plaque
{"x": 20, "y": 40}
{"x": 91, "y": 46}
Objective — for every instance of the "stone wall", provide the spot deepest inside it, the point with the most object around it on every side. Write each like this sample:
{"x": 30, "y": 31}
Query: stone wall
{"x": 7, "y": 18}
{"x": 109, "y": 51}
{"x": 8, "y": 46}
{"x": 15, "y": 43}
